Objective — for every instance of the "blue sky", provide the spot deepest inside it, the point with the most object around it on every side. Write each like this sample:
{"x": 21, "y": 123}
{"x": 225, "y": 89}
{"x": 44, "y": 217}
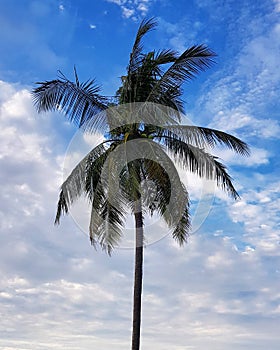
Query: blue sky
{"x": 221, "y": 290}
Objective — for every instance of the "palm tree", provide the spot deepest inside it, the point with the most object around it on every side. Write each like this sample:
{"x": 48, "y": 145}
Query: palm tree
{"x": 143, "y": 136}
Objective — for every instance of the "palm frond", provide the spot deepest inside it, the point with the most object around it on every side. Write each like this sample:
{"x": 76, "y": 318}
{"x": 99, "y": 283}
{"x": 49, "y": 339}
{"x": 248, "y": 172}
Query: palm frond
{"x": 204, "y": 137}
{"x": 71, "y": 189}
{"x": 169, "y": 97}
{"x": 169, "y": 198}
{"x": 203, "y": 164}
{"x": 94, "y": 174}
{"x": 155, "y": 186}
{"x": 108, "y": 203}
{"x": 182, "y": 230}
{"x": 129, "y": 92}
{"x": 215, "y": 137}
{"x": 165, "y": 56}
{"x": 129, "y": 180}
{"x": 75, "y": 184}
{"x": 106, "y": 225}
{"x": 135, "y": 57}
{"x": 80, "y": 102}
{"x": 156, "y": 166}
{"x": 186, "y": 67}
{"x": 62, "y": 207}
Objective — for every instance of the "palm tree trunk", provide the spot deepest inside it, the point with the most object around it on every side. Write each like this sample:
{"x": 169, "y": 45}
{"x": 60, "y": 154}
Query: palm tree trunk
{"x": 138, "y": 278}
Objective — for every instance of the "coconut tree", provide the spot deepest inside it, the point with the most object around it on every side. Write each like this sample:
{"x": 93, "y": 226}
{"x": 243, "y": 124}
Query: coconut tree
{"x": 143, "y": 140}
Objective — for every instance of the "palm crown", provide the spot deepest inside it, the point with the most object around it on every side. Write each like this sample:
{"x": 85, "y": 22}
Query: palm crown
{"x": 155, "y": 126}
{"x": 143, "y": 130}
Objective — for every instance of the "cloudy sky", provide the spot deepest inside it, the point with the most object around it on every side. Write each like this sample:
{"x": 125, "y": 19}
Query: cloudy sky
{"x": 221, "y": 291}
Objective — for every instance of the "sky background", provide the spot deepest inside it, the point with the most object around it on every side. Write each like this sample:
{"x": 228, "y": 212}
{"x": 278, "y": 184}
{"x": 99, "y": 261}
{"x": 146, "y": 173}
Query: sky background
{"x": 221, "y": 291}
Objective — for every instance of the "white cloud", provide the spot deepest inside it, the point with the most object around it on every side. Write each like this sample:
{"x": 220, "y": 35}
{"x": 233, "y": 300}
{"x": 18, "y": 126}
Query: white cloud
{"x": 133, "y": 8}
{"x": 235, "y": 120}
{"x": 127, "y": 13}
{"x": 257, "y": 157}
{"x": 221, "y": 291}
{"x": 181, "y": 34}
{"x": 245, "y": 98}
{"x": 83, "y": 298}
{"x": 29, "y": 186}
{"x": 259, "y": 211}
{"x": 277, "y": 5}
